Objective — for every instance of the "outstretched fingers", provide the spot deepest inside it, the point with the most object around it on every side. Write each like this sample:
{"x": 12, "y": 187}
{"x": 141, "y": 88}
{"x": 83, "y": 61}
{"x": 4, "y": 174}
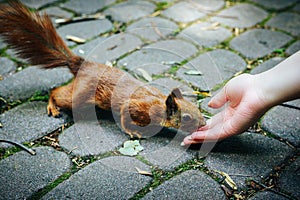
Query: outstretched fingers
{"x": 211, "y": 132}
{"x": 219, "y": 99}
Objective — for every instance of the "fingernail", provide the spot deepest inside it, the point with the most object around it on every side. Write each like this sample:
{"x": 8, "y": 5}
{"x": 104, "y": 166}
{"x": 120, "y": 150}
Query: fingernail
{"x": 182, "y": 144}
{"x": 209, "y": 103}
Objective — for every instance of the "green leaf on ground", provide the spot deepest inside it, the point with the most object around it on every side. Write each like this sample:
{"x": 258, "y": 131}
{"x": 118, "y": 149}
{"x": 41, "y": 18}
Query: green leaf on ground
{"x": 131, "y": 148}
{"x": 193, "y": 72}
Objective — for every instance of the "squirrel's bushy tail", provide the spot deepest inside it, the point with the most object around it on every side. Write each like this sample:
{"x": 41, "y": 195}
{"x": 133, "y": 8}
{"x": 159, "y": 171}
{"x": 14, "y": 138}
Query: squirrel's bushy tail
{"x": 34, "y": 38}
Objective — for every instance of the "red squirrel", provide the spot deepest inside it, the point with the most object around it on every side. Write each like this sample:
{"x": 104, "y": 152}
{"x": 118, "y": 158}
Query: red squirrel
{"x": 138, "y": 107}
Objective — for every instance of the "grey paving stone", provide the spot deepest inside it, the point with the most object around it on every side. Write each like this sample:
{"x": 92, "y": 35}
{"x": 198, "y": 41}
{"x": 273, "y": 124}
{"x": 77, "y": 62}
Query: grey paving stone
{"x": 109, "y": 178}
{"x": 85, "y": 29}
{"x": 191, "y": 184}
{"x": 183, "y": 12}
{"x": 275, "y": 4}
{"x": 130, "y": 10}
{"x": 287, "y": 21}
{"x": 216, "y": 66}
{"x": 164, "y": 150}
{"x": 259, "y": 42}
{"x": 84, "y": 50}
{"x": 297, "y": 8}
{"x": 187, "y": 11}
{"x": 295, "y": 103}
{"x": 204, "y": 104}
{"x": 37, "y": 4}
{"x": 290, "y": 178}
{"x": 27, "y": 122}
{"x": 208, "y": 5}
{"x": 283, "y": 122}
{"x": 293, "y": 48}
{"x": 84, "y": 7}
{"x": 178, "y": 47}
{"x": 31, "y": 80}
{"x": 267, "y": 65}
{"x": 166, "y": 85}
{"x": 7, "y": 67}
{"x": 202, "y": 35}
{"x": 267, "y": 195}
{"x": 56, "y": 12}
{"x": 152, "y": 28}
{"x": 22, "y": 175}
{"x": 108, "y": 49}
{"x": 247, "y": 156}
{"x": 91, "y": 138}
{"x": 241, "y": 15}
{"x": 158, "y": 57}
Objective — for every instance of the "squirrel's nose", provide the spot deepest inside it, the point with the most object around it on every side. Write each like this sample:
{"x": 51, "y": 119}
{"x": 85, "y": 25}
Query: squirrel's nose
{"x": 202, "y": 123}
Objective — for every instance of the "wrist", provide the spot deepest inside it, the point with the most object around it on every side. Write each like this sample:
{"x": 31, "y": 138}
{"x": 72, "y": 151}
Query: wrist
{"x": 265, "y": 93}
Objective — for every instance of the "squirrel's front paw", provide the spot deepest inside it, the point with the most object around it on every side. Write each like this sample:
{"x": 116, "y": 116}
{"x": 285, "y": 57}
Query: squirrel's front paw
{"x": 52, "y": 110}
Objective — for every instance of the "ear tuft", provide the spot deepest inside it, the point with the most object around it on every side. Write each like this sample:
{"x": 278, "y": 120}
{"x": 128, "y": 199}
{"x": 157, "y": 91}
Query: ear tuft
{"x": 176, "y": 93}
{"x": 171, "y": 104}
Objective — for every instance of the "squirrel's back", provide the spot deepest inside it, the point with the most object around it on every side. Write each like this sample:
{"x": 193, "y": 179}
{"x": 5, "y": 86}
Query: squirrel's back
{"x": 34, "y": 38}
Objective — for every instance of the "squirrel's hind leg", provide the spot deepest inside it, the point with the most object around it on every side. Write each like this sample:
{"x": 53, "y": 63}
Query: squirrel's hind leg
{"x": 60, "y": 98}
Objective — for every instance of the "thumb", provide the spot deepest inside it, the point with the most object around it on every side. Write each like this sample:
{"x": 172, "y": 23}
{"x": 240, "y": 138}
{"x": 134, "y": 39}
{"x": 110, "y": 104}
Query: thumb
{"x": 219, "y": 99}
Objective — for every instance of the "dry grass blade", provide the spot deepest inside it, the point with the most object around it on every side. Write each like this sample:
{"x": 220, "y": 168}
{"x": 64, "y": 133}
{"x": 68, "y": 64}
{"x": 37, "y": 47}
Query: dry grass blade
{"x": 145, "y": 74}
{"x": 32, "y": 152}
{"x": 75, "y": 39}
{"x": 157, "y": 31}
{"x": 143, "y": 172}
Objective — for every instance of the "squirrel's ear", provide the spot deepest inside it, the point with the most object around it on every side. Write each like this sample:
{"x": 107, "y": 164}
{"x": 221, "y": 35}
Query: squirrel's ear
{"x": 171, "y": 104}
{"x": 176, "y": 92}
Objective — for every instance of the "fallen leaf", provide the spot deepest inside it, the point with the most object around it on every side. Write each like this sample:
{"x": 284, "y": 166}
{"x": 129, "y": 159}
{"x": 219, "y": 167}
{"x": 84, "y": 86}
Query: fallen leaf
{"x": 108, "y": 63}
{"x": 131, "y": 148}
{"x": 143, "y": 172}
{"x": 238, "y": 196}
{"x": 75, "y": 39}
{"x": 145, "y": 74}
{"x": 128, "y": 151}
{"x": 228, "y": 180}
{"x": 62, "y": 20}
{"x": 80, "y": 18}
{"x": 202, "y": 93}
{"x": 172, "y": 63}
{"x": 193, "y": 72}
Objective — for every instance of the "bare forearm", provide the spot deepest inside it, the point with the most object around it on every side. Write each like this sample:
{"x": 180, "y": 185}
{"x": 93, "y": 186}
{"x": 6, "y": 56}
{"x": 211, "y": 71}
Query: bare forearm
{"x": 281, "y": 83}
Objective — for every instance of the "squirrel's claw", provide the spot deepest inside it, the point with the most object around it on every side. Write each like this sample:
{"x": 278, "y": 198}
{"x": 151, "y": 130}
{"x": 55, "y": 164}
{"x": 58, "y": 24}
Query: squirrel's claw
{"x": 53, "y": 111}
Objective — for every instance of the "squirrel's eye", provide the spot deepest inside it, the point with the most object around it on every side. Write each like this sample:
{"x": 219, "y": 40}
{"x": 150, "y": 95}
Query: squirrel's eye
{"x": 186, "y": 117}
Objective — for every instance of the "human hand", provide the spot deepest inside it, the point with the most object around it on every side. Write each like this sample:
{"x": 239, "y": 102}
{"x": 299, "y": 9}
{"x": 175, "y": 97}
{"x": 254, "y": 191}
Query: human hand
{"x": 245, "y": 106}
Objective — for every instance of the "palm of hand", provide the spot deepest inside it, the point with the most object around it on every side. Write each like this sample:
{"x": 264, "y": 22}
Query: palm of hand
{"x": 243, "y": 108}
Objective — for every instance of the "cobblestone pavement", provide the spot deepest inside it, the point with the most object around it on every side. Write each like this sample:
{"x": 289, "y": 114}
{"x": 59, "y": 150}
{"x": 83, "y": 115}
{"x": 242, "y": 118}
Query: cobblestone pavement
{"x": 160, "y": 42}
